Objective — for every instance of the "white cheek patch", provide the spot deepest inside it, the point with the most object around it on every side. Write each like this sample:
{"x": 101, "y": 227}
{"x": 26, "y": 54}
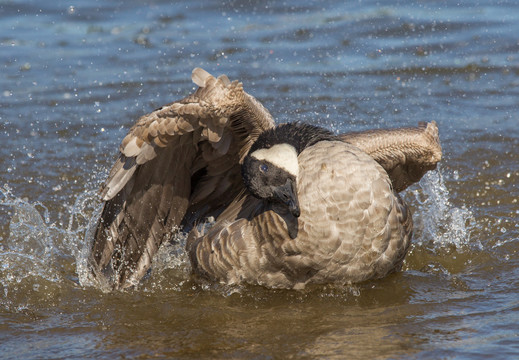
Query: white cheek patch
{"x": 283, "y": 156}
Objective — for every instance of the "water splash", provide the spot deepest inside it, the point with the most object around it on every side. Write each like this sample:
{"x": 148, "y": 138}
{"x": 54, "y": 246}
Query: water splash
{"x": 441, "y": 223}
{"x": 171, "y": 267}
{"x": 84, "y": 274}
{"x": 30, "y": 239}
{"x": 38, "y": 253}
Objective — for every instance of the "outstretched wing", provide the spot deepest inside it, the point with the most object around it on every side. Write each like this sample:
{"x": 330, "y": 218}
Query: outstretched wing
{"x": 406, "y": 154}
{"x": 177, "y": 165}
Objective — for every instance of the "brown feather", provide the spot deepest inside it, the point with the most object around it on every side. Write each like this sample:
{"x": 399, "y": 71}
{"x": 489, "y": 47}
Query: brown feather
{"x": 182, "y": 163}
{"x": 150, "y": 191}
{"x": 406, "y": 154}
{"x": 352, "y": 227}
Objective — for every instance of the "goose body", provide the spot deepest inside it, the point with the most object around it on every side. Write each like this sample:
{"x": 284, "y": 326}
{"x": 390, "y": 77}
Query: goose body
{"x": 294, "y": 204}
{"x": 352, "y": 227}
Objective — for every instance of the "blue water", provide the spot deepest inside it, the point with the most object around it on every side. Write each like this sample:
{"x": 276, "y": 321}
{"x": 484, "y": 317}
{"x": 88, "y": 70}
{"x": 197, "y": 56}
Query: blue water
{"x": 74, "y": 76}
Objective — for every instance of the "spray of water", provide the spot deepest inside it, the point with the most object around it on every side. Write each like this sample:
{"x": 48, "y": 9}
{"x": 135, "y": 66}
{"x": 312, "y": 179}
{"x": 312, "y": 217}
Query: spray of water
{"x": 37, "y": 252}
{"x": 30, "y": 247}
{"x": 441, "y": 223}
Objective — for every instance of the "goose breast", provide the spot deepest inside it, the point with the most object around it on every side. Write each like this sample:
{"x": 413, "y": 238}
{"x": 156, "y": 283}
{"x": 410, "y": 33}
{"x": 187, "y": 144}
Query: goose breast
{"x": 353, "y": 225}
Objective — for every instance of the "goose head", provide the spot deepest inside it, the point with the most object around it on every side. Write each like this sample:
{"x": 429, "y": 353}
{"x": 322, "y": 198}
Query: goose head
{"x": 270, "y": 173}
{"x": 271, "y": 167}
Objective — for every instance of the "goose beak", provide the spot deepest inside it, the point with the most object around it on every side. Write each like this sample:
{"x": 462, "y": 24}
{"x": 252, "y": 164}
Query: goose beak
{"x": 287, "y": 195}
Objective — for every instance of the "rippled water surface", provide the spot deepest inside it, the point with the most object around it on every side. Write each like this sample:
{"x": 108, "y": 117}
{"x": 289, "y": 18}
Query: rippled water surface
{"x": 76, "y": 75}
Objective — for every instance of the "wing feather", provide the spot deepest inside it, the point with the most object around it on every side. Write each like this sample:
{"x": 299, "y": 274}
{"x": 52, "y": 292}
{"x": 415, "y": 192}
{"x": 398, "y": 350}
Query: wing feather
{"x": 406, "y": 153}
{"x": 181, "y": 161}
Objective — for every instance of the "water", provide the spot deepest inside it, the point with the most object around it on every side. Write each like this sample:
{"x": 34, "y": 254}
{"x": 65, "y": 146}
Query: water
{"x": 75, "y": 76}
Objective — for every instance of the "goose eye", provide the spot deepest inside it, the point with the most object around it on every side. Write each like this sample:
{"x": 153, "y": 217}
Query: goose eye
{"x": 264, "y": 167}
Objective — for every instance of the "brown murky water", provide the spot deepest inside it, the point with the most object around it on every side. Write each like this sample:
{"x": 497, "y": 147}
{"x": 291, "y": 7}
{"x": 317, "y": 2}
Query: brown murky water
{"x": 74, "y": 77}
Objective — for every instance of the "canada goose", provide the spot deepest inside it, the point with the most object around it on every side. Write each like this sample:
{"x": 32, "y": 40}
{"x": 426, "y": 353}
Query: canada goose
{"x": 293, "y": 204}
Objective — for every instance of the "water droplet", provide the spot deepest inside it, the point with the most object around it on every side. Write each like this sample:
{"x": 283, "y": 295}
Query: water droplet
{"x": 455, "y": 175}
{"x": 25, "y": 67}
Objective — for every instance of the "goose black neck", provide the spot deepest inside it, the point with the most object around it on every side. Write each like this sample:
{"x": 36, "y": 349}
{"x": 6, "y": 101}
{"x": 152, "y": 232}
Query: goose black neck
{"x": 299, "y": 135}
